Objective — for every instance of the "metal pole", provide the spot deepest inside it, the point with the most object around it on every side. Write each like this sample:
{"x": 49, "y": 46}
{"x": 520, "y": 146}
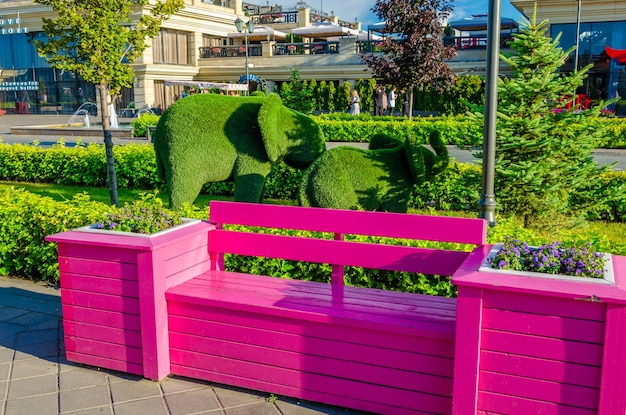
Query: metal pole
{"x": 247, "y": 74}
{"x": 577, "y": 35}
{"x": 487, "y": 203}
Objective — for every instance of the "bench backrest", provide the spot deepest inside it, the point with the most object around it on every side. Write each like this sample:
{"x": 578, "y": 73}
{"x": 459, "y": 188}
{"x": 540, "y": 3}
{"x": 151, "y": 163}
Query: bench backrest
{"x": 337, "y": 251}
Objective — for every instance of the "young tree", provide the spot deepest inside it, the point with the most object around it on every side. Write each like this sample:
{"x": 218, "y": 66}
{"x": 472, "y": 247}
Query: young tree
{"x": 99, "y": 39}
{"x": 544, "y": 171}
{"x": 413, "y": 56}
{"x": 298, "y": 96}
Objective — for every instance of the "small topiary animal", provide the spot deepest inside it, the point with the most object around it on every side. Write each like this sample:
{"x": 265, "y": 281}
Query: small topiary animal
{"x": 208, "y": 138}
{"x": 380, "y": 178}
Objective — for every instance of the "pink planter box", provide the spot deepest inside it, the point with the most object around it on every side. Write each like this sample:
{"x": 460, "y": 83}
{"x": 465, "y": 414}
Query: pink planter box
{"x": 528, "y": 345}
{"x": 113, "y": 293}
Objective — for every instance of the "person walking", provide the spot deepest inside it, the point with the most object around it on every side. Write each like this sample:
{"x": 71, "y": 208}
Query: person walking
{"x": 405, "y": 102}
{"x": 355, "y": 103}
{"x": 392, "y": 100}
{"x": 379, "y": 94}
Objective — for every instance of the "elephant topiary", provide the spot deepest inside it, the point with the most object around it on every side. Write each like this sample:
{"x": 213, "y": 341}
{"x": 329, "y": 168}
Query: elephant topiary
{"x": 208, "y": 137}
{"x": 380, "y": 178}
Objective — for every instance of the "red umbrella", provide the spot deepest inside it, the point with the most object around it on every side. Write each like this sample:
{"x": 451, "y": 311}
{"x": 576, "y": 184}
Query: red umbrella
{"x": 619, "y": 54}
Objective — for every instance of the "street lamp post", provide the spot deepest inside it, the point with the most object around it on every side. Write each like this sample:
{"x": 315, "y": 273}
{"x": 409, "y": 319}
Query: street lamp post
{"x": 247, "y": 29}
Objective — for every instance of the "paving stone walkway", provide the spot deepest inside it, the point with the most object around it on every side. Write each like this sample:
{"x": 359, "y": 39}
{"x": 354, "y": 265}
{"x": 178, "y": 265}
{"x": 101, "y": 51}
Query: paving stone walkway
{"x": 36, "y": 378}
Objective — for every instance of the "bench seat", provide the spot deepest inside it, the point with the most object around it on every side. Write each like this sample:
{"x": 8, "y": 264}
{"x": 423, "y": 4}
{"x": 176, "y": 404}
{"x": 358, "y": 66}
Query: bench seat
{"x": 379, "y": 350}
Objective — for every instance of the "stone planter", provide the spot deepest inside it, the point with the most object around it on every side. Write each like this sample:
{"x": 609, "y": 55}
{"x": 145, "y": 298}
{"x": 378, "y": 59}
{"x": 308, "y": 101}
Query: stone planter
{"x": 112, "y": 293}
{"x": 539, "y": 344}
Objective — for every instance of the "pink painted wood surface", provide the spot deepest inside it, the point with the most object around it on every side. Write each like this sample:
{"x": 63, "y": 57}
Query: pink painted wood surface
{"x": 100, "y": 301}
{"x": 369, "y": 350}
{"x": 370, "y": 404}
{"x": 493, "y": 403}
{"x": 106, "y": 318}
{"x": 103, "y": 333}
{"x": 251, "y": 371}
{"x": 542, "y": 347}
{"x": 97, "y": 361}
{"x": 544, "y": 326}
{"x": 544, "y": 369}
{"x": 467, "y": 349}
{"x": 207, "y": 291}
{"x": 612, "y": 396}
{"x": 433, "y": 347}
{"x": 119, "y": 352}
{"x": 113, "y": 286}
{"x": 540, "y": 390}
{"x": 367, "y": 255}
{"x": 99, "y": 268}
{"x": 397, "y": 225}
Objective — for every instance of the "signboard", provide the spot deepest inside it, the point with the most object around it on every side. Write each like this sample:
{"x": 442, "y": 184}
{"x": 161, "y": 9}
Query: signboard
{"x": 19, "y": 86}
{"x": 11, "y": 25}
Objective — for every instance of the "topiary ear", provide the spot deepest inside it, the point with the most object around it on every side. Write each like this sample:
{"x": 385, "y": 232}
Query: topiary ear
{"x": 415, "y": 158}
{"x": 274, "y": 139}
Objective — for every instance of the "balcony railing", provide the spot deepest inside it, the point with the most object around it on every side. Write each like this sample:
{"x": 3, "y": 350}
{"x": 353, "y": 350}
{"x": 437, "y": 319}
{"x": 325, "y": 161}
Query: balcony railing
{"x": 474, "y": 42}
{"x": 234, "y": 51}
{"x": 276, "y": 18}
{"x": 306, "y": 48}
{"x": 368, "y": 46}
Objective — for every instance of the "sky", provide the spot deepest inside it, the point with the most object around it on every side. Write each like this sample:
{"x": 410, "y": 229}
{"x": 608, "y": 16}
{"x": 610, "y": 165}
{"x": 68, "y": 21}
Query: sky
{"x": 348, "y": 10}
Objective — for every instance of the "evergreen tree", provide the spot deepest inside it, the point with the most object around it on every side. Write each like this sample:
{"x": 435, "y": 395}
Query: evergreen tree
{"x": 544, "y": 168}
{"x": 332, "y": 92}
{"x": 298, "y": 96}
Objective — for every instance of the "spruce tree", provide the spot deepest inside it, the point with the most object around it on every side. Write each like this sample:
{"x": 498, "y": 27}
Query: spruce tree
{"x": 544, "y": 168}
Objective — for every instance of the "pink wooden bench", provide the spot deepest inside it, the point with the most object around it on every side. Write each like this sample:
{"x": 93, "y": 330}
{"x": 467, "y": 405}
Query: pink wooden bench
{"x": 368, "y": 349}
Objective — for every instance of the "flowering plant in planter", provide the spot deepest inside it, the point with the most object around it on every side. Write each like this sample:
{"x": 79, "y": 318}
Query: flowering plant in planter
{"x": 146, "y": 215}
{"x": 553, "y": 258}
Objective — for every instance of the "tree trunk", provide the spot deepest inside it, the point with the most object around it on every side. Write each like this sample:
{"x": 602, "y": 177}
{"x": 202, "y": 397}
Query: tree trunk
{"x": 411, "y": 94}
{"x": 108, "y": 144}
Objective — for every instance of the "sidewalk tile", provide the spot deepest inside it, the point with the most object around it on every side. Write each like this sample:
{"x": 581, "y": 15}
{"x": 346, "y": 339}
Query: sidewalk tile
{"x": 6, "y": 354}
{"x": 192, "y": 402}
{"x": 33, "y": 367}
{"x": 174, "y": 384}
{"x": 103, "y": 410}
{"x": 85, "y": 398}
{"x": 78, "y": 377}
{"x": 152, "y": 406}
{"x": 38, "y": 336}
{"x": 130, "y": 391}
{"x": 39, "y": 405}
{"x": 37, "y": 385}
{"x": 264, "y": 408}
{"x": 230, "y": 396}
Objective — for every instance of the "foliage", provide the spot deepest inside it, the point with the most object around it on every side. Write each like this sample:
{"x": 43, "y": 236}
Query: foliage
{"x": 99, "y": 40}
{"x": 552, "y": 258}
{"x": 140, "y": 124}
{"x": 467, "y": 89}
{"x": 298, "y": 96}
{"x": 544, "y": 167}
{"x": 415, "y": 57}
{"x": 380, "y": 178}
{"x": 146, "y": 215}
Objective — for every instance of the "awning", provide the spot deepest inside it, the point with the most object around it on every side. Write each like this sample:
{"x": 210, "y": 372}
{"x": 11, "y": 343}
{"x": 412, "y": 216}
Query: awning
{"x": 618, "y": 54}
{"x": 479, "y": 22}
{"x": 323, "y": 30}
{"x": 210, "y": 85}
{"x": 260, "y": 33}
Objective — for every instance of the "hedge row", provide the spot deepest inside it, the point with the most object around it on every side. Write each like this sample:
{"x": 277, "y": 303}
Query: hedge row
{"x": 25, "y": 220}
{"x": 456, "y": 189}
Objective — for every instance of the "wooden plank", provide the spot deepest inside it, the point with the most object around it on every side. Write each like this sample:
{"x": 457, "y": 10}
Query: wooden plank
{"x": 612, "y": 396}
{"x": 368, "y": 404}
{"x": 542, "y": 347}
{"x": 307, "y": 361}
{"x": 544, "y": 325}
{"x": 250, "y": 281}
{"x": 328, "y": 251}
{"x": 531, "y": 367}
{"x": 370, "y": 336}
{"x": 107, "y": 318}
{"x": 349, "y": 348}
{"x": 122, "y": 366}
{"x": 100, "y": 301}
{"x": 541, "y": 304}
{"x": 97, "y": 268}
{"x": 540, "y": 390}
{"x": 397, "y": 225}
{"x": 314, "y": 382}
{"x": 102, "y": 333}
{"x": 493, "y": 403}
{"x": 307, "y": 292}
{"x": 315, "y": 313}
{"x": 104, "y": 350}
{"x": 112, "y": 286}
{"x": 98, "y": 253}
{"x": 467, "y": 348}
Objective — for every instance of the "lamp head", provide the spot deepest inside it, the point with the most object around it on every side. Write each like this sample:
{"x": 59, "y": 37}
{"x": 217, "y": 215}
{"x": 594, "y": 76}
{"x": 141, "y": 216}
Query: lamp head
{"x": 239, "y": 24}
{"x": 250, "y": 26}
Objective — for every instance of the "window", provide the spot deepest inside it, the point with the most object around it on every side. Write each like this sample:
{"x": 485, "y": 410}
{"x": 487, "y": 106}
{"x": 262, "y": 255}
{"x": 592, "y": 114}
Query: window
{"x": 171, "y": 46}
